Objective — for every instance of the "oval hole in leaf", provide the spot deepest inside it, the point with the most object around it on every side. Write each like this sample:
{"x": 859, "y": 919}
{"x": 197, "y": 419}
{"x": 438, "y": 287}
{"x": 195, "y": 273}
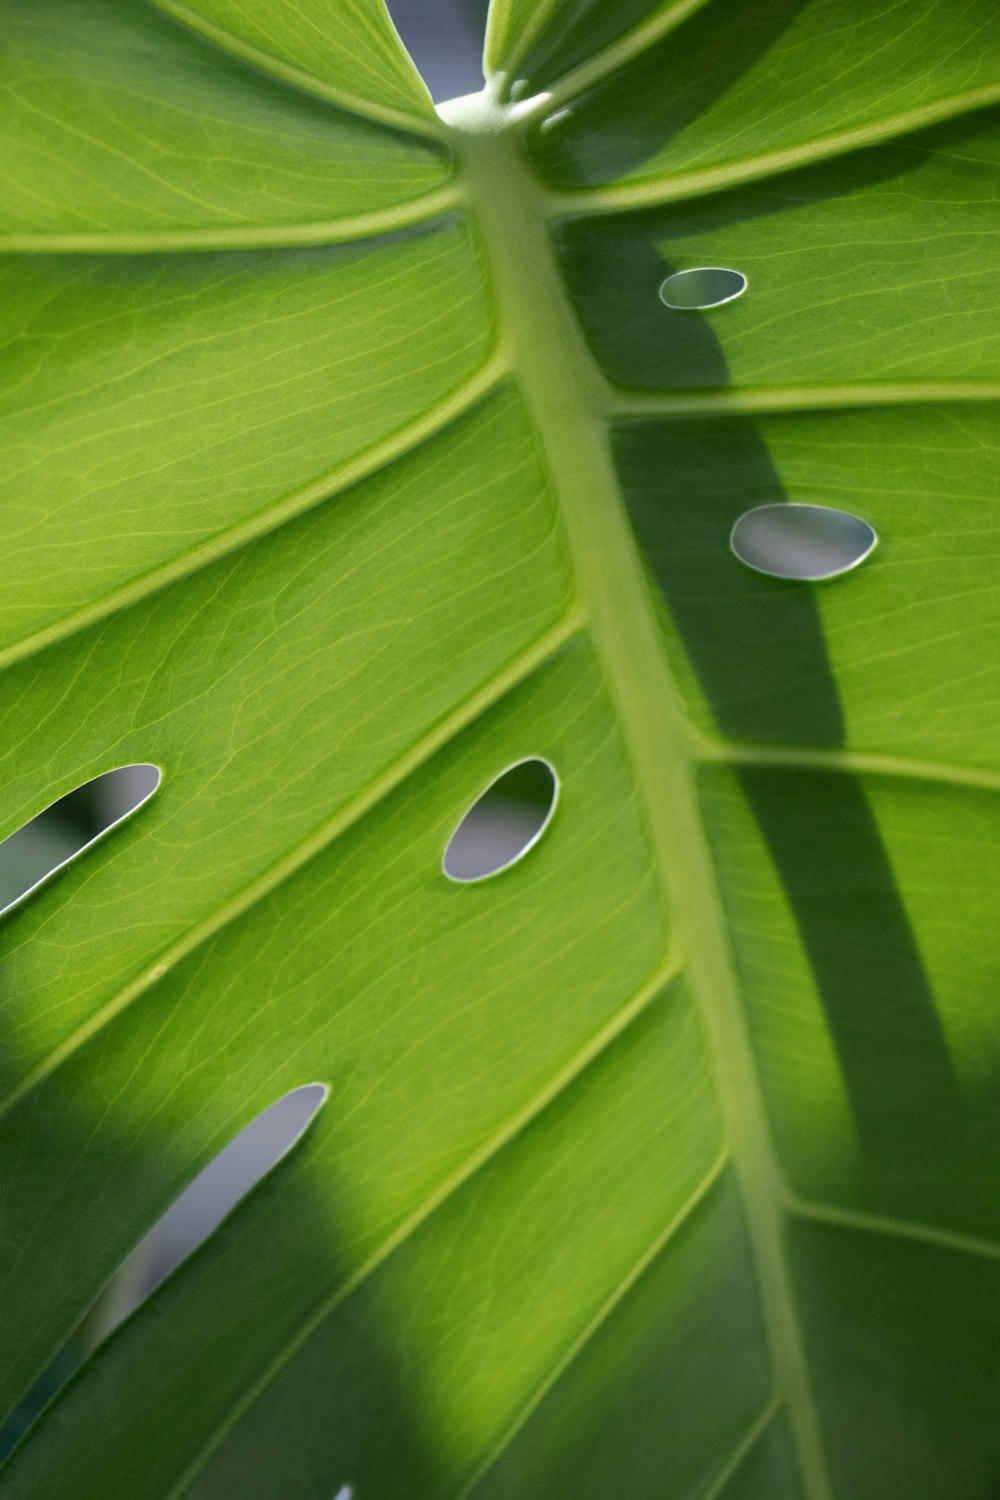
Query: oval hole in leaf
{"x": 505, "y": 822}
{"x": 804, "y": 542}
{"x": 704, "y": 286}
{"x": 67, "y": 827}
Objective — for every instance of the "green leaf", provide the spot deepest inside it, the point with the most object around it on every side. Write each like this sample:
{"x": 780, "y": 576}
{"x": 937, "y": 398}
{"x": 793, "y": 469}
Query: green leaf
{"x": 535, "y": 45}
{"x": 351, "y": 457}
{"x": 741, "y": 91}
{"x": 121, "y": 131}
{"x": 345, "y": 51}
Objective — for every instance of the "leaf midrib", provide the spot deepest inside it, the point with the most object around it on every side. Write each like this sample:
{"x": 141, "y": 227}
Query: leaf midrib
{"x": 567, "y": 396}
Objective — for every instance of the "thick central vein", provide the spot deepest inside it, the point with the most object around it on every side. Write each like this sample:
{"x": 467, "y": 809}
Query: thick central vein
{"x": 568, "y": 398}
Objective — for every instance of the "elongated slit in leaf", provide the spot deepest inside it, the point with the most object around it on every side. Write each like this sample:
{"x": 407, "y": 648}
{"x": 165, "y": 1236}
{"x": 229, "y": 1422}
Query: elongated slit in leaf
{"x": 69, "y": 826}
{"x": 194, "y": 1215}
{"x": 218, "y": 1189}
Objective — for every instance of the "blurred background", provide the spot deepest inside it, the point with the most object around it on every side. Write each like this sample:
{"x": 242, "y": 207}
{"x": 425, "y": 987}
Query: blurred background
{"x": 445, "y": 39}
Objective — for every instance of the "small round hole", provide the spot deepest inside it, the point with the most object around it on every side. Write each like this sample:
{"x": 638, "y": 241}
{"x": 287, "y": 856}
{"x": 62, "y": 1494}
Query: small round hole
{"x": 704, "y": 286}
{"x": 804, "y": 542}
{"x": 503, "y": 823}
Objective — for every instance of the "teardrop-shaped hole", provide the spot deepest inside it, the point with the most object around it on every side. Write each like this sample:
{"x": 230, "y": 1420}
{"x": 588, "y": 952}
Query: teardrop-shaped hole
{"x": 704, "y": 286}
{"x": 65, "y": 828}
{"x": 804, "y": 542}
{"x": 505, "y": 822}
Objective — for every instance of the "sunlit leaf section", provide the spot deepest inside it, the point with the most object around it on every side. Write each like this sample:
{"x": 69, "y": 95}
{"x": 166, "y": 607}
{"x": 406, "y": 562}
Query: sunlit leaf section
{"x": 117, "y": 123}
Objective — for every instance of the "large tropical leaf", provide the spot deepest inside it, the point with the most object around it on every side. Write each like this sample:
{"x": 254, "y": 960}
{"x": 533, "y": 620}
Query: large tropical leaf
{"x": 351, "y": 457}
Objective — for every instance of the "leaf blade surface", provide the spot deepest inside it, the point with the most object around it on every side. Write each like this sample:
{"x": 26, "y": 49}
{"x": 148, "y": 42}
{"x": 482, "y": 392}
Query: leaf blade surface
{"x": 758, "y": 926}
